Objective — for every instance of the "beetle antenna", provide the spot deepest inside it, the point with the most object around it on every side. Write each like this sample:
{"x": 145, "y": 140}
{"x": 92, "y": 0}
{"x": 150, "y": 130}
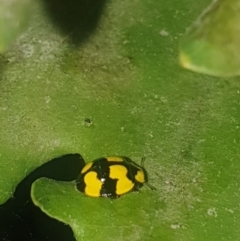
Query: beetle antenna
{"x": 142, "y": 161}
{"x": 150, "y": 186}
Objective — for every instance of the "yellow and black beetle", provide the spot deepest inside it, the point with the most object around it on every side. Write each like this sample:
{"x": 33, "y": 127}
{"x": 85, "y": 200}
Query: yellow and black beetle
{"x": 111, "y": 177}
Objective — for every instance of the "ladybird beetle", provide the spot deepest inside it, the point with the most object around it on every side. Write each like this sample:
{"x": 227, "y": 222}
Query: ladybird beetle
{"x": 111, "y": 177}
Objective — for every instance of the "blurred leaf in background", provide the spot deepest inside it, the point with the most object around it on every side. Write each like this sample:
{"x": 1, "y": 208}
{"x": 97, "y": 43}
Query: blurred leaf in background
{"x": 211, "y": 46}
{"x": 14, "y": 18}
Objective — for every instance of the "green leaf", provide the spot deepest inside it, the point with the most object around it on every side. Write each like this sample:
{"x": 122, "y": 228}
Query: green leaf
{"x": 14, "y": 17}
{"x": 126, "y": 80}
{"x": 132, "y": 217}
{"x": 211, "y": 45}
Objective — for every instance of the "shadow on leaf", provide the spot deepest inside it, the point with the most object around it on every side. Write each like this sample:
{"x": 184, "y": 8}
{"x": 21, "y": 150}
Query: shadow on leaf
{"x": 76, "y": 19}
{"x": 20, "y": 219}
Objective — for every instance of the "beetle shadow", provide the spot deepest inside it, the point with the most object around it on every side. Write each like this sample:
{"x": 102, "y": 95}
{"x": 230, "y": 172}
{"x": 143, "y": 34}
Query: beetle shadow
{"x": 76, "y": 19}
{"x": 19, "y": 217}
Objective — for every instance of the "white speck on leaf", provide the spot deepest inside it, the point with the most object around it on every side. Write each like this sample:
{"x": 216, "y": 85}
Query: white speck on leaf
{"x": 229, "y": 210}
{"x": 163, "y": 33}
{"x": 175, "y": 225}
{"x": 47, "y": 99}
{"x": 212, "y": 212}
{"x": 163, "y": 99}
